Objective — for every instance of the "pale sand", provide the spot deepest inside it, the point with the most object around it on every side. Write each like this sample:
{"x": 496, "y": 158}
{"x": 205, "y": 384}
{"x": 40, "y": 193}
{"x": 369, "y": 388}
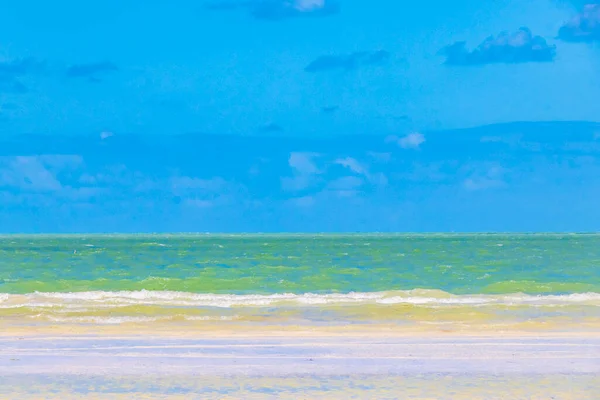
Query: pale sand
{"x": 233, "y": 329}
{"x": 291, "y": 366}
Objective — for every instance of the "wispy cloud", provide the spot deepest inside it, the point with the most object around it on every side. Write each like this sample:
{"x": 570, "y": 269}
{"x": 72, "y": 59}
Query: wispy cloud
{"x": 274, "y": 10}
{"x": 509, "y": 48}
{"x": 347, "y": 61}
{"x": 584, "y": 27}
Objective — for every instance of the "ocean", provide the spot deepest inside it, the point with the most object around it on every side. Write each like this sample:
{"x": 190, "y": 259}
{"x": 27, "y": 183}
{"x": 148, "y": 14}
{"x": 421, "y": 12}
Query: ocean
{"x": 407, "y": 282}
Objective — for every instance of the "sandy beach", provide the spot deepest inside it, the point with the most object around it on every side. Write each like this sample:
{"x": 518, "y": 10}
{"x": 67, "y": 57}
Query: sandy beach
{"x": 300, "y": 317}
{"x": 291, "y": 366}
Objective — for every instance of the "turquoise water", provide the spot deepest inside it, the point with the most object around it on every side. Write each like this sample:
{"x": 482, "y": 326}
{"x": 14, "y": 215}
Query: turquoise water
{"x": 244, "y": 264}
{"x": 124, "y": 278}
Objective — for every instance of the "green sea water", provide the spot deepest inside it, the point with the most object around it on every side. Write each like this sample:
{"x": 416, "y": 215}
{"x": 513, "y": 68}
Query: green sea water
{"x": 399, "y": 277}
{"x": 244, "y": 264}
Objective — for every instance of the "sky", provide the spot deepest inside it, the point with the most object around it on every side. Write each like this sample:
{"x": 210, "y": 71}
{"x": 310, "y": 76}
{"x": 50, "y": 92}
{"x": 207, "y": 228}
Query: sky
{"x": 299, "y": 115}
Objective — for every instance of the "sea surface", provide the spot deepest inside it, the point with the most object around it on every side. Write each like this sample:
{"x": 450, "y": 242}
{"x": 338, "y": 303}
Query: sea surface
{"x": 408, "y": 281}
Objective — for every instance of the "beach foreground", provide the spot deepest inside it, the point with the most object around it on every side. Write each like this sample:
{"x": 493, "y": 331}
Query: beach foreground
{"x": 291, "y": 367}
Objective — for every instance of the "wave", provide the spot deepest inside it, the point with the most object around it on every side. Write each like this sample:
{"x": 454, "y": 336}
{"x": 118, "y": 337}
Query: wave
{"x": 416, "y": 297}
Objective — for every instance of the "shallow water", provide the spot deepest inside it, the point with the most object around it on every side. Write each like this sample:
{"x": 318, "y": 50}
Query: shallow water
{"x": 426, "y": 386}
{"x": 536, "y": 281}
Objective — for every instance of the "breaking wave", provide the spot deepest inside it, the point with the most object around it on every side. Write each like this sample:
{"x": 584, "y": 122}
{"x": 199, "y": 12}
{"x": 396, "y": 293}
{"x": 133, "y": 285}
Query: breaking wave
{"x": 418, "y": 297}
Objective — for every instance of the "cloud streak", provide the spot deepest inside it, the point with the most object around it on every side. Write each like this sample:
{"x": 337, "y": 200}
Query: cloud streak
{"x": 507, "y": 48}
{"x": 348, "y": 61}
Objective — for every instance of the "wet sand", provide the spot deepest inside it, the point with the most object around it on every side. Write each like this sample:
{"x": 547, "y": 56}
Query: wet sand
{"x": 295, "y": 367}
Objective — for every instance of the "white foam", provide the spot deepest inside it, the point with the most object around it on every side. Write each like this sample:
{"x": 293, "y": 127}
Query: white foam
{"x": 130, "y": 319}
{"x": 103, "y": 320}
{"x": 425, "y": 298}
{"x": 211, "y": 318}
{"x": 433, "y": 300}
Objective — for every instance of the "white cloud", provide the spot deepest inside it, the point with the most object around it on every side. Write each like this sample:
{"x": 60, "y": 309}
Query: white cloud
{"x": 303, "y": 163}
{"x": 353, "y": 165}
{"x": 411, "y": 141}
{"x": 361, "y": 169}
{"x": 27, "y": 173}
{"x": 36, "y": 173}
{"x": 304, "y": 170}
{"x": 106, "y": 135}
{"x": 63, "y": 180}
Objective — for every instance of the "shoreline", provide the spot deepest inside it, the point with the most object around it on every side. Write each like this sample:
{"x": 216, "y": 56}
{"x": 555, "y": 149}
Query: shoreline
{"x": 290, "y": 331}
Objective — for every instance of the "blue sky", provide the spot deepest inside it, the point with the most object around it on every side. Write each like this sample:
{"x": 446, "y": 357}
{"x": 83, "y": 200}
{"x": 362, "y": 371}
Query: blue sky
{"x": 299, "y": 115}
